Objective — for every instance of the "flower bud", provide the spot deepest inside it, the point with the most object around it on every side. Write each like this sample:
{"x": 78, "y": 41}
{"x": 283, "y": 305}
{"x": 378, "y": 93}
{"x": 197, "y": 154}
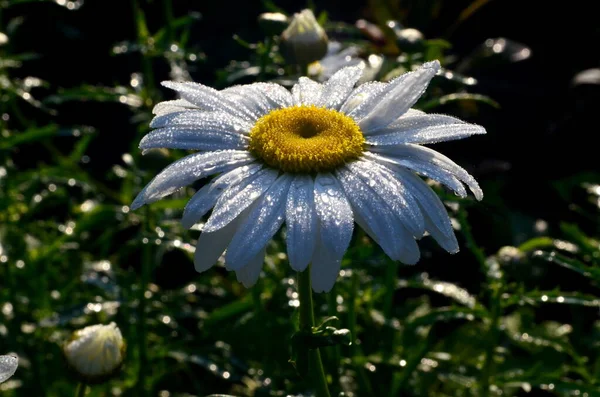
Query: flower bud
{"x": 272, "y": 23}
{"x": 8, "y": 366}
{"x": 408, "y": 39}
{"x": 95, "y": 353}
{"x": 304, "y": 41}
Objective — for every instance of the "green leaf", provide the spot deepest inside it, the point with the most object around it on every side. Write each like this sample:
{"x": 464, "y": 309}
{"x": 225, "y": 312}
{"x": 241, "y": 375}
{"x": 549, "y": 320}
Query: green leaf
{"x": 577, "y": 236}
{"x": 459, "y": 97}
{"x": 229, "y": 311}
{"x": 29, "y": 136}
{"x": 446, "y": 314}
{"x": 569, "y": 263}
{"x": 536, "y": 243}
{"x": 449, "y": 290}
{"x": 84, "y": 93}
{"x": 567, "y": 298}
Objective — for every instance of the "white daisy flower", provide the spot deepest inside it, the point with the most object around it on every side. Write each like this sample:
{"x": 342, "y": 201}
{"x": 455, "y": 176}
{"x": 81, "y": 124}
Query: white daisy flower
{"x": 318, "y": 159}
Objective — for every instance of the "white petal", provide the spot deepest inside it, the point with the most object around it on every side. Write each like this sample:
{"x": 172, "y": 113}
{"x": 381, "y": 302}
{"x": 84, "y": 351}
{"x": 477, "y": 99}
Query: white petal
{"x": 206, "y": 198}
{"x": 239, "y": 197}
{"x": 381, "y": 220}
{"x": 432, "y": 128}
{"x": 200, "y": 203}
{"x": 421, "y": 167}
{"x": 210, "y": 99}
{"x": 193, "y": 139}
{"x": 188, "y": 170}
{"x": 277, "y": 95}
{"x": 437, "y": 221}
{"x": 262, "y": 97}
{"x": 203, "y": 120}
{"x": 176, "y": 105}
{"x": 301, "y": 222}
{"x": 449, "y": 243}
{"x": 422, "y": 154}
{"x": 358, "y": 103}
{"x": 233, "y": 177}
{"x": 325, "y": 268}
{"x": 306, "y": 91}
{"x": 249, "y": 98}
{"x": 249, "y": 274}
{"x": 391, "y": 191}
{"x": 210, "y": 246}
{"x": 398, "y": 97}
{"x": 338, "y": 87}
{"x": 335, "y": 214}
{"x": 408, "y": 250}
{"x": 415, "y": 120}
{"x": 263, "y": 221}
{"x": 8, "y": 366}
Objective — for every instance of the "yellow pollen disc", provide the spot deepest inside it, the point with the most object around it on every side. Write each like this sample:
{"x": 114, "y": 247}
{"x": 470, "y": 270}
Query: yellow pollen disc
{"x": 306, "y": 139}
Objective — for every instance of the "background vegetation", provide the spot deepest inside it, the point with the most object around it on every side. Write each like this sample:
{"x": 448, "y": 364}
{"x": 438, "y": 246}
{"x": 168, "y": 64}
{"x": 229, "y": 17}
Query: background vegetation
{"x": 515, "y": 313}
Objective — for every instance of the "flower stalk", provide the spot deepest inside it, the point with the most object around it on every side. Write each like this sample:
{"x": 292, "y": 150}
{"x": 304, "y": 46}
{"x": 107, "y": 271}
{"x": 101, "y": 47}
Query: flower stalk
{"x": 81, "y": 389}
{"x": 316, "y": 372}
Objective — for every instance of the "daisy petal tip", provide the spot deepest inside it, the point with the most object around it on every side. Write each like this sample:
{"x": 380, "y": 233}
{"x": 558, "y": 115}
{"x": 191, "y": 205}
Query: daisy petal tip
{"x": 168, "y": 84}
{"x": 200, "y": 267}
{"x": 478, "y": 130}
{"x": 208, "y": 227}
{"x": 319, "y": 290}
{"x": 298, "y": 266}
{"x": 139, "y": 201}
{"x": 435, "y": 65}
{"x": 187, "y": 224}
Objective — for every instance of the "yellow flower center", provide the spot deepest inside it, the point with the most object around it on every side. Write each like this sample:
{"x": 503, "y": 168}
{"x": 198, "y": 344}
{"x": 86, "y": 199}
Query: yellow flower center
{"x": 306, "y": 139}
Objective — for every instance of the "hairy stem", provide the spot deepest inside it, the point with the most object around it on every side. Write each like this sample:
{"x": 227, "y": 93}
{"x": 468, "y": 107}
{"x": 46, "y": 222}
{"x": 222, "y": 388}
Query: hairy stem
{"x": 307, "y": 321}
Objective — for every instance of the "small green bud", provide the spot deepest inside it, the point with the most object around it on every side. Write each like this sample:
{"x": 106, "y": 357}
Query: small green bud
{"x": 304, "y": 41}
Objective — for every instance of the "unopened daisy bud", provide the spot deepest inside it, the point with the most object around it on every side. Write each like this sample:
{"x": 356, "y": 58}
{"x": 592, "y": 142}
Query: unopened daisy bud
{"x": 95, "y": 353}
{"x": 272, "y": 23}
{"x": 304, "y": 41}
{"x": 8, "y": 366}
{"x": 510, "y": 255}
{"x": 408, "y": 39}
{"x": 3, "y": 38}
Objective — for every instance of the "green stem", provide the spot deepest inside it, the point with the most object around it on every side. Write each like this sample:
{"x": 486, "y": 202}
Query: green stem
{"x": 389, "y": 333}
{"x": 494, "y": 335}
{"x": 168, "y": 9}
{"x": 307, "y": 321}
{"x": 264, "y": 58}
{"x": 494, "y": 288}
{"x": 355, "y": 351}
{"x": 143, "y": 36}
{"x": 336, "y": 355}
{"x": 391, "y": 273}
{"x": 142, "y": 331}
{"x": 400, "y": 380}
{"x": 81, "y": 389}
